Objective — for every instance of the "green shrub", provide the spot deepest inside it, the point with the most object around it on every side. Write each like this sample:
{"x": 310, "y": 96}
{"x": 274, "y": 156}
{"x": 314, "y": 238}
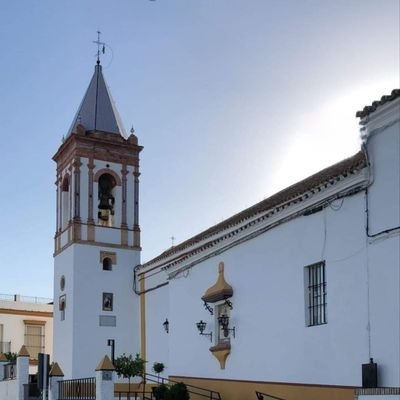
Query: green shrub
{"x": 161, "y": 392}
{"x": 158, "y": 367}
{"x": 178, "y": 391}
{"x": 11, "y": 357}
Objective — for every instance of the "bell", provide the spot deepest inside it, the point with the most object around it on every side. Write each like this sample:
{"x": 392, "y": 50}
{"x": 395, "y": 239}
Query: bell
{"x": 105, "y": 202}
{"x": 103, "y": 215}
{"x": 103, "y": 205}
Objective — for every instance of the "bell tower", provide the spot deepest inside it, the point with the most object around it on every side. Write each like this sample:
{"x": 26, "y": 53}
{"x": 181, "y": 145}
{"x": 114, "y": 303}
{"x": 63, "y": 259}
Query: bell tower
{"x": 97, "y": 239}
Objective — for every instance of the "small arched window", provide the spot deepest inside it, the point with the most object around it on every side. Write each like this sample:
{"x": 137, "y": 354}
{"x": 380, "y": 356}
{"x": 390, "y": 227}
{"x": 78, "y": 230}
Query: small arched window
{"x": 106, "y": 199}
{"x": 107, "y": 264}
{"x": 65, "y": 202}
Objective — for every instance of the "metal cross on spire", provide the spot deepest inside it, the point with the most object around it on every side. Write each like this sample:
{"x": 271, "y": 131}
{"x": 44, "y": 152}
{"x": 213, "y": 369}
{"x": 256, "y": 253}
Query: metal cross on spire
{"x": 101, "y": 45}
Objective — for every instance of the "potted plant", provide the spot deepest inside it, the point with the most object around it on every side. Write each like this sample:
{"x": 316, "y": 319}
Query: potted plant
{"x": 129, "y": 367}
{"x": 158, "y": 368}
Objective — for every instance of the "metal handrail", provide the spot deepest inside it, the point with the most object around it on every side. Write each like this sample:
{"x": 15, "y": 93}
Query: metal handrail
{"x": 209, "y": 394}
{"x": 25, "y": 299}
{"x": 261, "y": 395}
{"x": 129, "y": 395}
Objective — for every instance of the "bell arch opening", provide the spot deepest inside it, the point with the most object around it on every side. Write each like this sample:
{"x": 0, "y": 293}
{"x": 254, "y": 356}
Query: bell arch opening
{"x": 106, "y": 198}
{"x": 65, "y": 202}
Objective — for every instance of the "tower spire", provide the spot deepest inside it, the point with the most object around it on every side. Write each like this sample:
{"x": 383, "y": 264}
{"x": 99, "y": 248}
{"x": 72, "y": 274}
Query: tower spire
{"x": 101, "y": 45}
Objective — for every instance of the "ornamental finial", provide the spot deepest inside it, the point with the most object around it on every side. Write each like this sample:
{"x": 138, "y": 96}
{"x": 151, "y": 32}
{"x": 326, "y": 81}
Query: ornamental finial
{"x": 100, "y": 45}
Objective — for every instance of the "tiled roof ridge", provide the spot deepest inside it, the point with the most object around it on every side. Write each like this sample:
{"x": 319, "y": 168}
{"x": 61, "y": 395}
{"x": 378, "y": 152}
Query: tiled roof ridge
{"x": 348, "y": 165}
{"x": 377, "y": 103}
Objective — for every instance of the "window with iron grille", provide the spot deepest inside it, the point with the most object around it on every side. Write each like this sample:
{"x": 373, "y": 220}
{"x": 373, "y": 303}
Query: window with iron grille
{"x": 315, "y": 279}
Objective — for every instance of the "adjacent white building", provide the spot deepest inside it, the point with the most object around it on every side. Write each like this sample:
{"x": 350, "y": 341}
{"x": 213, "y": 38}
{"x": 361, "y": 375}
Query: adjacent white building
{"x": 293, "y": 296}
{"x": 26, "y": 321}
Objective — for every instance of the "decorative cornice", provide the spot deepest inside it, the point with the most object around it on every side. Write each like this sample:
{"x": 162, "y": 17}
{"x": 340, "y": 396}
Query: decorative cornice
{"x": 43, "y": 314}
{"x": 34, "y": 322}
{"x": 98, "y": 244}
{"x": 98, "y": 146}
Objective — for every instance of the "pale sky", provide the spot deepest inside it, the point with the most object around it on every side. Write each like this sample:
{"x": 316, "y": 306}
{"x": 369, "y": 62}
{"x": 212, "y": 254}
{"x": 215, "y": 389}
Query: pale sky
{"x": 232, "y": 100}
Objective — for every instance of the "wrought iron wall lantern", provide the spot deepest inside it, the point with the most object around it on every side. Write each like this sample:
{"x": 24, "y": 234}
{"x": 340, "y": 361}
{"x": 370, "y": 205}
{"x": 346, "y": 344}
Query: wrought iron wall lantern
{"x": 223, "y": 320}
{"x": 201, "y": 326}
{"x": 166, "y": 325}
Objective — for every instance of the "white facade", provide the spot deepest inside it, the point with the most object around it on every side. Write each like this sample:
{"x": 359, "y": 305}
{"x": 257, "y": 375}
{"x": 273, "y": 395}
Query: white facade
{"x": 26, "y": 321}
{"x": 347, "y": 217}
{"x": 79, "y": 339}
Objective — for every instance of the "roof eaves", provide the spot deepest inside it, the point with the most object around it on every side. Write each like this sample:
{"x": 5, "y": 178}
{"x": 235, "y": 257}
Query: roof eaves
{"x": 367, "y": 110}
{"x": 270, "y": 205}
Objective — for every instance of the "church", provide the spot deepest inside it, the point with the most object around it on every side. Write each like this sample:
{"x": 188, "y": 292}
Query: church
{"x": 297, "y": 295}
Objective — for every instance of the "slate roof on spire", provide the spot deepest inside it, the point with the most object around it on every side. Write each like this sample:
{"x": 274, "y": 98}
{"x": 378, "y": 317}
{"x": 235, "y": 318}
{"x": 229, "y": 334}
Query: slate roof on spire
{"x": 97, "y": 111}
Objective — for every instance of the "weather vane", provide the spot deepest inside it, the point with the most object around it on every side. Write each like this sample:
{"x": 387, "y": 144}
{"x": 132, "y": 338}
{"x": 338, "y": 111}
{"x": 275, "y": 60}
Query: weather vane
{"x": 100, "y": 45}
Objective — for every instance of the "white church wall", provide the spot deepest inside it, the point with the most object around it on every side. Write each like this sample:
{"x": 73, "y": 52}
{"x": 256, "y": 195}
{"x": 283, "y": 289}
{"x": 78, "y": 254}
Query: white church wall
{"x": 157, "y": 311}
{"x": 267, "y": 275}
{"x": 384, "y": 152}
{"x": 108, "y": 235}
{"x": 62, "y": 340}
{"x": 384, "y": 277}
{"x": 383, "y": 143}
{"x": 90, "y": 282}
